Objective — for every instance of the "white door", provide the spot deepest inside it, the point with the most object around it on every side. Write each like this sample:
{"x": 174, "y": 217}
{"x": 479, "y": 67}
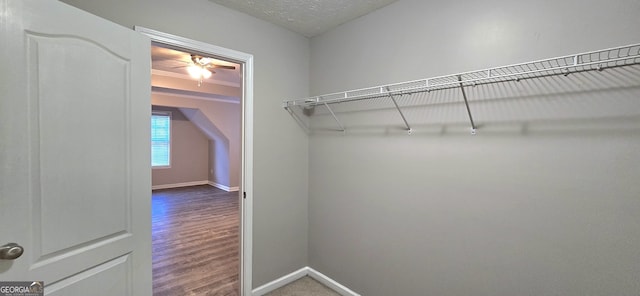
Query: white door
{"x": 74, "y": 150}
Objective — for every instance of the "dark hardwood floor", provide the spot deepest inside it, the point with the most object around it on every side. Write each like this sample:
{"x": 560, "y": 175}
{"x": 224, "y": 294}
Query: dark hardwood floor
{"x": 196, "y": 242}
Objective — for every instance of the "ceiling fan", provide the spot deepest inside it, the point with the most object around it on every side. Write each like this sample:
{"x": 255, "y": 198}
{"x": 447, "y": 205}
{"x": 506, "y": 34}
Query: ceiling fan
{"x": 202, "y": 67}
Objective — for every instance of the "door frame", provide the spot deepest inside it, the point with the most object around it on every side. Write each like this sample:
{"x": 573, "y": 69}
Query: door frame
{"x": 246, "y": 167}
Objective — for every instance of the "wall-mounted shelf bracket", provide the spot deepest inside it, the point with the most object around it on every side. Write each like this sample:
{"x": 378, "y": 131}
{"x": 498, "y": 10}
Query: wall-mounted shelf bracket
{"x": 409, "y": 130}
{"x": 466, "y": 103}
{"x": 299, "y": 120}
{"x": 335, "y": 117}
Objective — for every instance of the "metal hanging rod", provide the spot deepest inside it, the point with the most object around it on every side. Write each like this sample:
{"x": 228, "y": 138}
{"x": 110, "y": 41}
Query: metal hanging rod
{"x": 563, "y": 65}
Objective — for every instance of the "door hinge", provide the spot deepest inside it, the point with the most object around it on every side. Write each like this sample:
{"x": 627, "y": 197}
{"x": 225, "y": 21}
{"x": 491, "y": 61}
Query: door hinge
{"x": 244, "y": 194}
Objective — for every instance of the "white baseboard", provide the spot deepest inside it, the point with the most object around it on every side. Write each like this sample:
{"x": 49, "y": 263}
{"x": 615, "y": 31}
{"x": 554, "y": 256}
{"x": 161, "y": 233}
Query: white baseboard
{"x": 327, "y": 281}
{"x": 223, "y": 187}
{"x": 281, "y": 282}
{"x": 305, "y": 271}
{"x": 176, "y": 185}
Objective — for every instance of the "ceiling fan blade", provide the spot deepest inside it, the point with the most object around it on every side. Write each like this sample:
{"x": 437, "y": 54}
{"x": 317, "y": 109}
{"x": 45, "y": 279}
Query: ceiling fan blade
{"x": 221, "y": 66}
{"x": 162, "y": 59}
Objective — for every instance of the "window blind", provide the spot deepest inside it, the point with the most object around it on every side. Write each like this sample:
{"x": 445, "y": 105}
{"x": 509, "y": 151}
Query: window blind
{"x": 160, "y": 139}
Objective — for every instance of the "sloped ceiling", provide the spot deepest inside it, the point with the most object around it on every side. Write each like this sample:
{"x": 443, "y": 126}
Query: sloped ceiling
{"x": 307, "y": 17}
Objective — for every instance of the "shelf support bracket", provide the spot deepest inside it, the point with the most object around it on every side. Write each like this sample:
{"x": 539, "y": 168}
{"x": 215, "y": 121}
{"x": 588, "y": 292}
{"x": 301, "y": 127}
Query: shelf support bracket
{"x": 409, "y": 130}
{"x": 466, "y": 103}
{"x": 307, "y": 129}
{"x": 335, "y": 117}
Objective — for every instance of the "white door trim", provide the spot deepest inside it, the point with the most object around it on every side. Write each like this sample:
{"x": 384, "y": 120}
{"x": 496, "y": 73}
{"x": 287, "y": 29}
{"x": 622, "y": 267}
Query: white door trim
{"x": 246, "y": 208}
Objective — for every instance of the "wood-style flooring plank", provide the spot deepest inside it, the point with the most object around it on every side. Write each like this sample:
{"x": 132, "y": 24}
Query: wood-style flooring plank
{"x": 196, "y": 242}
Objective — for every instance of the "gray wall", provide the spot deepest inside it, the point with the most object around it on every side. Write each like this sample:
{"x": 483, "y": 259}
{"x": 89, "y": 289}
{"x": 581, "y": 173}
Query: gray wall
{"x": 189, "y": 152}
{"x": 543, "y": 201}
{"x": 281, "y": 61}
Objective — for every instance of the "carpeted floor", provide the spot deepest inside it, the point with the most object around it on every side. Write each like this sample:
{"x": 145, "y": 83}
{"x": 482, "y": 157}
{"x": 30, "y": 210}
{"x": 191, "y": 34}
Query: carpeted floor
{"x": 305, "y": 286}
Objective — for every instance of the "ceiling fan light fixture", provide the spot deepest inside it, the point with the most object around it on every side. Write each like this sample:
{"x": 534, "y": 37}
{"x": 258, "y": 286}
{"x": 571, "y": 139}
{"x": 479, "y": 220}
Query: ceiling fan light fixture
{"x": 198, "y": 72}
{"x": 206, "y": 73}
{"x": 194, "y": 71}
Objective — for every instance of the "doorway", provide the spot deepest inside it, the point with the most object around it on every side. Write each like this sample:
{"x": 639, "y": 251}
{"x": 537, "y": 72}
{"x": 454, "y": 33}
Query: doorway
{"x": 244, "y": 184}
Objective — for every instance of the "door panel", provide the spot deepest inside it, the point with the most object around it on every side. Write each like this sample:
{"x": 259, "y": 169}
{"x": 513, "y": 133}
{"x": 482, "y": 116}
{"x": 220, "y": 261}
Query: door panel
{"x": 74, "y": 156}
{"x": 107, "y": 278}
{"x": 93, "y": 134}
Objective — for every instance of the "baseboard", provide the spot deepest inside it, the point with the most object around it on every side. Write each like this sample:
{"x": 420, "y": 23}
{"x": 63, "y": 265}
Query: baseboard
{"x": 223, "y": 187}
{"x": 305, "y": 271}
{"x": 327, "y": 281}
{"x": 176, "y": 185}
{"x": 281, "y": 282}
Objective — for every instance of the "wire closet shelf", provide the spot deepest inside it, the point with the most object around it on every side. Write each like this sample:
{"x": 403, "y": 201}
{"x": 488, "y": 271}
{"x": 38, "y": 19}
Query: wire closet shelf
{"x": 564, "y": 65}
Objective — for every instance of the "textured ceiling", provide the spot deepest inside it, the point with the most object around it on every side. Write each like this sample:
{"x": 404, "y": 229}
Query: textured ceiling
{"x": 307, "y": 17}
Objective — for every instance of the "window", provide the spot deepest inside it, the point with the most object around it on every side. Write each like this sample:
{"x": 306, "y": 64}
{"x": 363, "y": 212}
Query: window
{"x": 160, "y": 139}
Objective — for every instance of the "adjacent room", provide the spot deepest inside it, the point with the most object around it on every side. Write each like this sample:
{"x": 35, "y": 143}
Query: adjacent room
{"x": 195, "y": 131}
{"x": 415, "y": 147}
